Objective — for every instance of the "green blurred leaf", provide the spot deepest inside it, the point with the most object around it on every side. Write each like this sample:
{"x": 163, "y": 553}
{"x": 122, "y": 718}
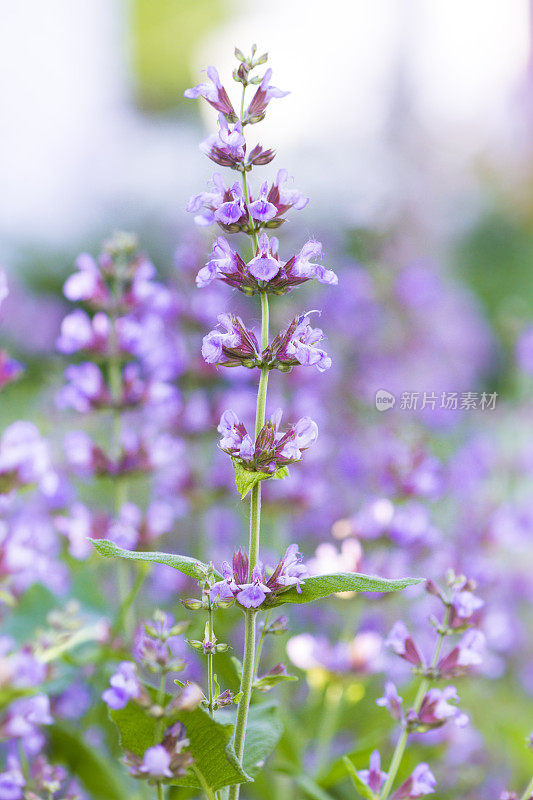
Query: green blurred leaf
{"x": 267, "y": 682}
{"x": 246, "y": 480}
{"x": 189, "y": 566}
{"x": 263, "y": 732}
{"x": 97, "y": 773}
{"x": 319, "y": 586}
{"x": 210, "y": 744}
{"x": 364, "y": 790}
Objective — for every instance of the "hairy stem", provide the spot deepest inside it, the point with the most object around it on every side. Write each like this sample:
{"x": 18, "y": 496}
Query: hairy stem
{"x": 402, "y": 741}
{"x": 210, "y": 682}
{"x": 261, "y": 642}
{"x": 246, "y": 689}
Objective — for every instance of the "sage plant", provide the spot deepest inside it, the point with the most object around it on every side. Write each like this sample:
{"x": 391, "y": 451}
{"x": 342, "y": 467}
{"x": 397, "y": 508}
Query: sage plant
{"x": 260, "y": 451}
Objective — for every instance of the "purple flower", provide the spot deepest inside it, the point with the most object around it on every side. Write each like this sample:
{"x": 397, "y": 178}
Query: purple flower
{"x": 265, "y": 271}
{"x": 436, "y": 709}
{"x": 464, "y": 655}
{"x": 263, "y": 585}
{"x": 298, "y": 344}
{"x": 124, "y": 686}
{"x": 261, "y": 209}
{"x": 392, "y": 701}
{"x": 373, "y": 777}
{"x": 10, "y": 369}
{"x": 273, "y": 448}
{"x": 228, "y": 146}
{"x": 214, "y": 93}
{"x": 233, "y": 346}
{"x": 87, "y": 284}
{"x": 264, "y": 94}
{"x": 420, "y": 783}
{"x": 27, "y": 714}
{"x": 403, "y": 645}
{"x": 464, "y": 606}
{"x": 12, "y": 781}
{"x": 156, "y": 762}
{"x": 265, "y": 265}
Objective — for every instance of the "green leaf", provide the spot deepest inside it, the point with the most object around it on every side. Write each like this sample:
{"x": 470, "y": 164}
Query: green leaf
{"x": 311, "y": 789}
{"x": 246, "y": 480}
{"x": 210, "y": 744}
{"x": 189, "y": 566}
{"x": 263, "y": 732}
{"x": 319, "y": 586}
{"x": 267, "y": 682}
{"x": 95, "y": 771}
{"x": 364, "y": 790}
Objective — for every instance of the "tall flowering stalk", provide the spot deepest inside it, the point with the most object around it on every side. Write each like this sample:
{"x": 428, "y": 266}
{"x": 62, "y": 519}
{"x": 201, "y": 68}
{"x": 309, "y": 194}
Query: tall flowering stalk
{"x": 264, "y": 453}
{"x": 236, "y": 209}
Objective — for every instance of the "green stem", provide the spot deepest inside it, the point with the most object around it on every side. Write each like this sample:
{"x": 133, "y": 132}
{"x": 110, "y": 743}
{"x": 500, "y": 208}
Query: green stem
{"x": 246, "y": 689}
{"x": 261, "y": 642}
{"x": 422, "y": 689}
{"x": 158, "y": 732}
{"x": 159, "y": 791}
{"x": 328, "y": 724}
{"x": 529, "y": 791}
{"x": 210, "y": 795}
{"x": 210, "y": 682}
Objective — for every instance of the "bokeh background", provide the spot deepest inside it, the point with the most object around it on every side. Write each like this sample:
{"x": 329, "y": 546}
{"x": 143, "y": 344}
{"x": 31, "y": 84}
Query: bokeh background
{"x": 410, "y": 126}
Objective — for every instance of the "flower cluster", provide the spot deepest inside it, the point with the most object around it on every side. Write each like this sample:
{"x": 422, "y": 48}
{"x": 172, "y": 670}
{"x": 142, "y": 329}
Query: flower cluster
{"x": 272, "y": 448}
{"x": 262, "y": 586}
{"x": 235, "y": 346}
{"x": 165, "y": 761}
{"x": 265, "y": 272}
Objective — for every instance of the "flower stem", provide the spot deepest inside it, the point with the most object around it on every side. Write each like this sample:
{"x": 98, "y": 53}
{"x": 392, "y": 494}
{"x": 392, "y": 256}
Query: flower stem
{"x": 529, "y": 791}
{"x": 328, "y": 725}
{"x": 422, "y": 689}
{"x": 261, "y": 642}
{"x": 246, "y": 689}
{"x": 210, "y": 661}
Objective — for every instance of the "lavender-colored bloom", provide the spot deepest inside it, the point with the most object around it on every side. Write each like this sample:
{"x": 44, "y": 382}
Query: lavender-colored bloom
{"x": 87, "y": 284}
{"x": 392, "y": 701}
{"x": 403, "y": 645}
{"x": 373, "y": 777}
{"x": 124, "y": 686}
{"x": 261, "y": 209}
{"x": 265, "y": 265}
{"x": 228, "y": 146}
{"x": 360, "y": 656}
{"x": 464, "y": 655}
{"x": 464, "y": 606}
{"x": 25, "y": 459}
{"x": 264, "y": 585}
{"x": 214, "y": 93}
{"x": 273, "y": 448}
{"x": 12, "y": 781}
{"x": 233, "y": 346}
{"x": 232, "y": 209}
{"x": 436, "y": 709}
{"x": 298, "y": 344}
{"x": 265, "y": 271}
{"x": 264, "y": 94}
{"x": 420, "y": 783}
{"x": 10, "y": 369}
{"x": 156, "y": 762}
{"x": 27, "y": 714}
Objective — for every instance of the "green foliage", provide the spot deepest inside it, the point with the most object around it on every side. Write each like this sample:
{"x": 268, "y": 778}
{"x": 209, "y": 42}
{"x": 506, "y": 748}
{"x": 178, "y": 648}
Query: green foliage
{"x": 246, "y": 480}
{"x": 319, "y": 586}
{"x": 215, "y": 761}
{"x": 68, "y": 746}
{"x": 189, "y": 566}
{"x": 165, "y": 36}
{"x": 263, "y": 732}
{"x": 267, "y": 682}
{"x": 359, "y": 784}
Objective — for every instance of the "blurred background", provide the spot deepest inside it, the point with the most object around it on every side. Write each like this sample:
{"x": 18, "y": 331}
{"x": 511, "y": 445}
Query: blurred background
{"x": 410, "y": 126}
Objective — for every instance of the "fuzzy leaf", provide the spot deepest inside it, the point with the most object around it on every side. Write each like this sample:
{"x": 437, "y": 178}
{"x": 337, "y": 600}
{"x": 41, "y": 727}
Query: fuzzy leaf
{"x": 189, "y": 566}
{"x": 364, "y": 790}
{"x": 263, "y": 732}
{"x": 319, "y": 586}
{"x": 267, "y": 682}
{"x": 246, "y": 480}
{"x": 210, "y": 744}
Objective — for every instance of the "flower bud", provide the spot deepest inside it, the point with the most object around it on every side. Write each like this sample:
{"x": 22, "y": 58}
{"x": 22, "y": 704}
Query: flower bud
{"x": 195, "y": 644}
{"x": 192, "y": 604}
{"x": 222, "y": 647}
